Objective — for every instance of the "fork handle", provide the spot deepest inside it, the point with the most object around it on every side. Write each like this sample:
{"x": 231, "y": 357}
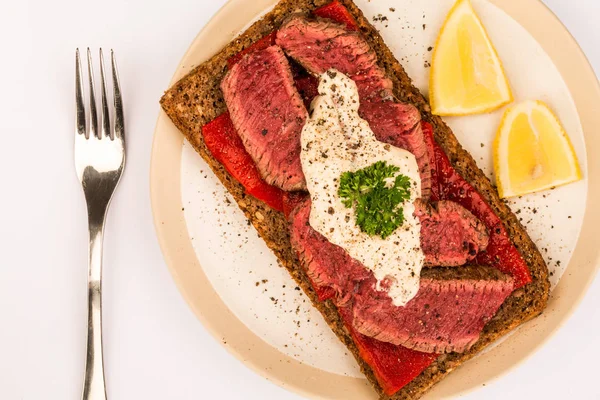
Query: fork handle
{"x": 94, "y": 387}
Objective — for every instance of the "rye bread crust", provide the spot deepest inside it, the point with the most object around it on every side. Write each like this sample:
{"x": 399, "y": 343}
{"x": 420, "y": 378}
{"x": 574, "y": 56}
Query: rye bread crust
{"x": 197, "y": 99}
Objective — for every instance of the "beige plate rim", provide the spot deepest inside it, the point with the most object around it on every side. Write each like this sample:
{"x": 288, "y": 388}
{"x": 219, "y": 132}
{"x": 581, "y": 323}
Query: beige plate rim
{"x": 179, "y": 255}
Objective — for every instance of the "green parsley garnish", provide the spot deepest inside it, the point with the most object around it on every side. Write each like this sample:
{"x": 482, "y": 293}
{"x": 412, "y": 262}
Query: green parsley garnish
{"x": 377, "y": 205}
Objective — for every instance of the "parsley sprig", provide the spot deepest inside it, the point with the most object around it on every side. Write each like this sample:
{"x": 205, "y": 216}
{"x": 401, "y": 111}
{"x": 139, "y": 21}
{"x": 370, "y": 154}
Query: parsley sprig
{"x": 377, "y": 205}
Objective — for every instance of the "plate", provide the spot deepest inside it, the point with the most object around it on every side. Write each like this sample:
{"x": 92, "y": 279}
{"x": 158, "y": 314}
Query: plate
{"x": 231, "y": 280}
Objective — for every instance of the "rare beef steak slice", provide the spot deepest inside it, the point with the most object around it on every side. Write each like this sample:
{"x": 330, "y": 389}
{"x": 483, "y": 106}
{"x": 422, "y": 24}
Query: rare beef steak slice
{"x": 326, "y": 264}
{"x": 268, "y": 114}
{"x": 447, "y": 314}
{"x": 321, "y": 44}
{"x": 450, "y": 235}
{"x": 399, "y": 124}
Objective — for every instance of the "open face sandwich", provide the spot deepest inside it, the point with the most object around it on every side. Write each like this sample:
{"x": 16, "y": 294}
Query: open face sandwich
{"x": 367, "y": 199}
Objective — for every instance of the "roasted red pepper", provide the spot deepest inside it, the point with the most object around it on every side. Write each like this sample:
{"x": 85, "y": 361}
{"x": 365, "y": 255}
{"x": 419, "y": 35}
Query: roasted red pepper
{"x": 337, "y": 12}
{"x": 227, "y": 148}
{"x": 261, "y": 44}
{"x": 447, "y": 184}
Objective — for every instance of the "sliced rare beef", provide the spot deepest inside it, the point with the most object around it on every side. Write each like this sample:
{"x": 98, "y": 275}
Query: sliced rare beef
{"x": 399, "y": 124}
{"x": 447, "y": 314}
{"x": 441, "y": 224}
{"x": 450, "y": 235}
{"x": 268, "y": 114}
{"x": 320, "y": 44}
{"x": 326, "y": 264}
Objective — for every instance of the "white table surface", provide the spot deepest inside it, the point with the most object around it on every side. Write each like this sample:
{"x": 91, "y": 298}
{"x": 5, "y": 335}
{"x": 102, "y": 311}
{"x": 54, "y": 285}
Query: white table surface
{"x": 155, "y": 348}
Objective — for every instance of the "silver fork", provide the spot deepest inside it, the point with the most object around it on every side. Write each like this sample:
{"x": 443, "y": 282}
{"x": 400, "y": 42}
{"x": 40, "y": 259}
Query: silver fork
{"x": 99, "y": 161}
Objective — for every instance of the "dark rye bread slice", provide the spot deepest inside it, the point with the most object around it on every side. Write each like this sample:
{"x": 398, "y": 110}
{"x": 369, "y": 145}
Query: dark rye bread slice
{"x": 197, "y": 99}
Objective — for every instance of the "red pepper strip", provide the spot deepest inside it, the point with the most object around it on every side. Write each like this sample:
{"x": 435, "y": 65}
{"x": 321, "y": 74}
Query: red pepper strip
{"x": 447, "y": 184}
{"x": 337, "y": 12}
{"x": 227, "y": 148}
{"x": 393, "y": 366}
{"x": 261, "y": 44}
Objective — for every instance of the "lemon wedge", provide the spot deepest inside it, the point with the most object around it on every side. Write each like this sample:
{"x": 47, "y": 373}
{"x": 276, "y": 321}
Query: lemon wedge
{"x": 532, "y": 152}
{"x": 466, "y": 74}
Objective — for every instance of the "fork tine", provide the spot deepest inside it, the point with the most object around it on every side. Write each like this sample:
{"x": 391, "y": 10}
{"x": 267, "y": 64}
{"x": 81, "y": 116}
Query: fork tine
{"x": 80, "y": 118}
{"x": 118, "y": 101}
{"x": 105, "y": 123}
{"x": 93, "y": 114}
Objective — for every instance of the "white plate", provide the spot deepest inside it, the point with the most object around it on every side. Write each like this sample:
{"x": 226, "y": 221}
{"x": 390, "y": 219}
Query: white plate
{"x": 263, "y": 299}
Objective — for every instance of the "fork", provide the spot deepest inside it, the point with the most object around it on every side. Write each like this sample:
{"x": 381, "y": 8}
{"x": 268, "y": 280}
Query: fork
{"x": 99, "y": 162}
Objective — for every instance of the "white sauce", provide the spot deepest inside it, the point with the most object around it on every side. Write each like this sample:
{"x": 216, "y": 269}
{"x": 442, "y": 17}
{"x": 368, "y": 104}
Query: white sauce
{"x": 335, "y": 140}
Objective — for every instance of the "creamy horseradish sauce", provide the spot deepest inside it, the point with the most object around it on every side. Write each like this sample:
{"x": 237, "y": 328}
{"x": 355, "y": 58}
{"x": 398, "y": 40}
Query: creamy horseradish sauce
{"x": 335, "y": 140}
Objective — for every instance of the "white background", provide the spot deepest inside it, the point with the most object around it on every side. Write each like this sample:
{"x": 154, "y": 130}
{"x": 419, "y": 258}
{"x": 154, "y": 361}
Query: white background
{"x": 155, "y": 348}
